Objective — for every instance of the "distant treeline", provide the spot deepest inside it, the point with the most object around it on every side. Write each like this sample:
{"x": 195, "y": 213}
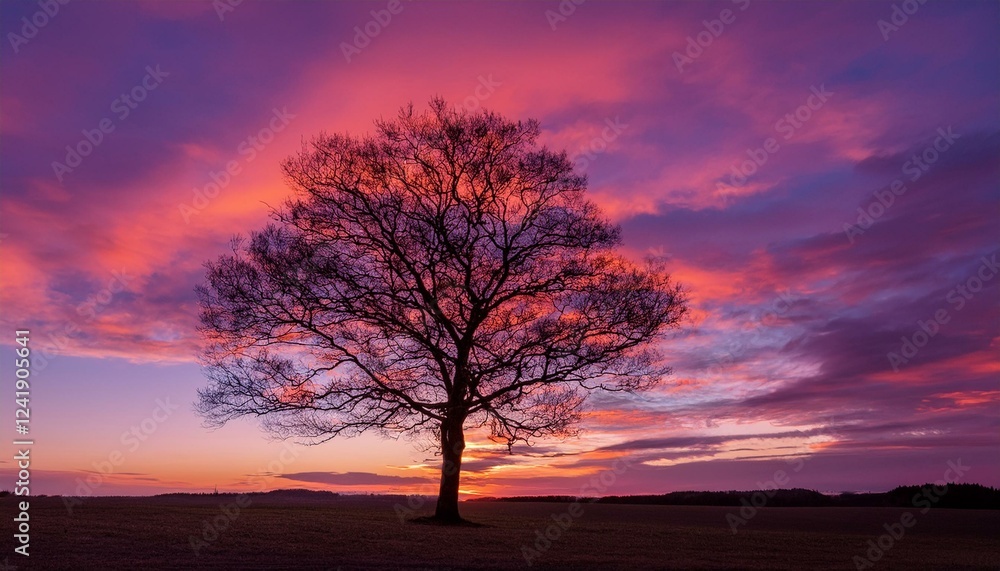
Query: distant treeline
{"x": 957, "y": 496}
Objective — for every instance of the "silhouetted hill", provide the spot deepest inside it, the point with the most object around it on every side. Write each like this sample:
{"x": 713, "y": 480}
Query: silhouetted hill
{"x": 956, "y": 496}
{"x": 291, "y": 493}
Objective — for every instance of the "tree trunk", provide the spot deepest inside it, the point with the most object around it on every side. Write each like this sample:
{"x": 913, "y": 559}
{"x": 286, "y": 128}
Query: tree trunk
{"x": 452, "y": 445}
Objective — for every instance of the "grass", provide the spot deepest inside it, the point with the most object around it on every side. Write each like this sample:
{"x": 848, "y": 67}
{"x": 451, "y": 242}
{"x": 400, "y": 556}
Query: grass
{"x": 366, "y": 533}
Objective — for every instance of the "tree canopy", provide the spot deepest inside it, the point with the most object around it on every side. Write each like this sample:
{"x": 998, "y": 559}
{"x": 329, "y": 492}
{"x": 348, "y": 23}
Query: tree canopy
{"x": 445, "y": 273}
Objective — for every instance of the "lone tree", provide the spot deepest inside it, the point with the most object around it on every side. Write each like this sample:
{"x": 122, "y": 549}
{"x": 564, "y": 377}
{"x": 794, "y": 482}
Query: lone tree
{"x": 444, "y": 274}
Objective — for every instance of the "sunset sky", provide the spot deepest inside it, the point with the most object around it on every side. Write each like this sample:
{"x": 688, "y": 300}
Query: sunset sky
{"x": 801, "y": 302}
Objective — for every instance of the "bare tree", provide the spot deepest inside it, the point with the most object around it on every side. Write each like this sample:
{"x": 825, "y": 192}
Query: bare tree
{"x": 444, "y": 274}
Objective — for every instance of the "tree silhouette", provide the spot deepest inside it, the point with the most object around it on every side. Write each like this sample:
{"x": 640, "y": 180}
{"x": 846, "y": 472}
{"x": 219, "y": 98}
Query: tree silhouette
{"x": 444, "y": 274}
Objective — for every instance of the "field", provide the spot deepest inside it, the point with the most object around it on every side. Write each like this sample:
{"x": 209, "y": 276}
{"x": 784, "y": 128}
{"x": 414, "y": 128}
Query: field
{"x": 213, "y": 532}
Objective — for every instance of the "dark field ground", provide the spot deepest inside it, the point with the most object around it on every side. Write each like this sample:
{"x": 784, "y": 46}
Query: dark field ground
{"x": 366, "y": 533}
